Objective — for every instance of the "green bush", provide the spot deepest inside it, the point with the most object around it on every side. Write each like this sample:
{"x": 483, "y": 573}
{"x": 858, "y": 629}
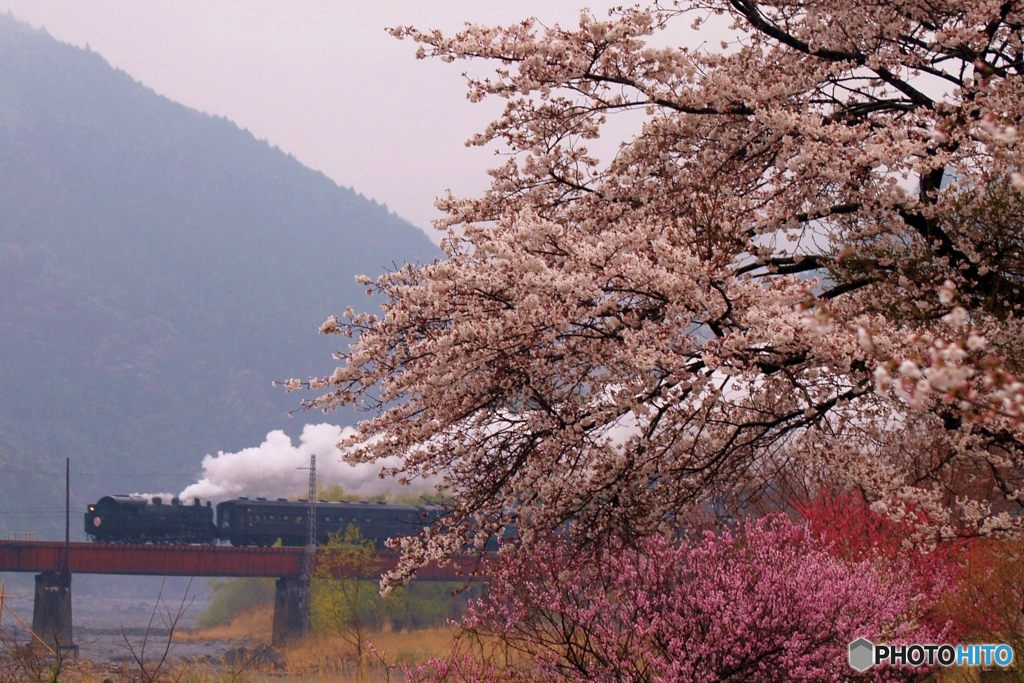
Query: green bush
{"x": 229, "y": 597}
{"x": 423, "y": 604}
{"x": 346, "y": 598}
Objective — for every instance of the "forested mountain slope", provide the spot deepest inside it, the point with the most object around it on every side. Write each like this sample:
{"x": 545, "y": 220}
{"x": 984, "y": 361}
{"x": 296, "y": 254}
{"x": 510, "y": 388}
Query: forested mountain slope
{"x": 159, "y": 267}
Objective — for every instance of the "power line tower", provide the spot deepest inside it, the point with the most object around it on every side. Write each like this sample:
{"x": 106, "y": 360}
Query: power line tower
{"x": 309, "y": 558}
{"x": 311, "y": 527}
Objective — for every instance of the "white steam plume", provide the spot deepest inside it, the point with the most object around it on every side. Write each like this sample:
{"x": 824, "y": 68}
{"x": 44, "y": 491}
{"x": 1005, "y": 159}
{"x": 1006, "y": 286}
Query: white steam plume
{"x": 272, "y": 469}
{"x": 165, "y": 498}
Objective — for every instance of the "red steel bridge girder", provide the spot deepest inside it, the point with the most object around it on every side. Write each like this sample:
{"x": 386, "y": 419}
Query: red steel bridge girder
{"x": 186, "y": 560}
{"x": 158, "y": 560}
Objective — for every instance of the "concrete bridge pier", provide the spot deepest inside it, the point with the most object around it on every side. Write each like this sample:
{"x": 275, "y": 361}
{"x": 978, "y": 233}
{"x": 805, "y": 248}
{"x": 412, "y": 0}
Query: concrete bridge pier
{"x": 291, "y": 610}
{"x": 51, "y": 613}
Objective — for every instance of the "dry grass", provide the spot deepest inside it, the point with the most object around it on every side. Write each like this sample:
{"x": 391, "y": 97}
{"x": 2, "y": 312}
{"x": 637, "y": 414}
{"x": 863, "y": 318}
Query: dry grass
{"x": 317, "y": 659}
{"x": 414, "y": 647}
{"x": 329, "y": 654}
{"x": 254, "y": 625}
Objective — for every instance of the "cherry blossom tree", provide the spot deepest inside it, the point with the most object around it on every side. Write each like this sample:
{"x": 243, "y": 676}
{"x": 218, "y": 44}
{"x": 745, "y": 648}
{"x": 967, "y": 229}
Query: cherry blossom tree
{"x": 765, "y": 602}
{"x": 803, "y": 269}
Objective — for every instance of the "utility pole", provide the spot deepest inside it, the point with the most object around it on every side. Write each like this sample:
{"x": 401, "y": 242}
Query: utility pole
{"x": 65, "y": 565}
{"x": 51, "y": 613}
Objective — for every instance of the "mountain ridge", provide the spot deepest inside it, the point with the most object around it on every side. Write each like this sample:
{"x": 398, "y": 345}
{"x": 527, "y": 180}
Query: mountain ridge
{"x": 159, "y": 267}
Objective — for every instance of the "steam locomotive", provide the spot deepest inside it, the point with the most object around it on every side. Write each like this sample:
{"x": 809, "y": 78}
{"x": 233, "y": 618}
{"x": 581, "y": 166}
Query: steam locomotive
{"x": 243, "y": 522}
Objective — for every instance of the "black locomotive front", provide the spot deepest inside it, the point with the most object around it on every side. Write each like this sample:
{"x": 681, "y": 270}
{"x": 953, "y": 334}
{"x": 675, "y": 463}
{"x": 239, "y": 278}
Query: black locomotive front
{"x": 137, "y": 519}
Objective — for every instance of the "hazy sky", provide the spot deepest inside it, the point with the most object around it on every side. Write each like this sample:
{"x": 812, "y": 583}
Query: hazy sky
{"x": 319, "y": 78}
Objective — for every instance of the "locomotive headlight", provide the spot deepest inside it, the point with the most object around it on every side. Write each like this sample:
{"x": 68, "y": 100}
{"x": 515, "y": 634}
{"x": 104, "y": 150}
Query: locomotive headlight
{"x": 92, "y": 508}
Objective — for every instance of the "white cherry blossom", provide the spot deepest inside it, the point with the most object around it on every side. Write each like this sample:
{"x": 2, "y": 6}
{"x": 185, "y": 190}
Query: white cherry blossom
{"x": 804, "y": 270}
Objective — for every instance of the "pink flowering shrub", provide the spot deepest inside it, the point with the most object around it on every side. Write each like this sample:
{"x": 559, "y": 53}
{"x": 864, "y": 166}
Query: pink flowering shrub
{"x": 765, "y": 602}
{"x": 854, "y": 532}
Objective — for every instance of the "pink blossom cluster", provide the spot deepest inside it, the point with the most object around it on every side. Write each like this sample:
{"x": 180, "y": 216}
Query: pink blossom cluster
{"x": 766, "y": 601}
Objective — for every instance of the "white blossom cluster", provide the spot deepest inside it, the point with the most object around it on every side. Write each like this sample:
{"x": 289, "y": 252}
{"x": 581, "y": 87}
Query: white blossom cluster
{"x": 804, "y": 271}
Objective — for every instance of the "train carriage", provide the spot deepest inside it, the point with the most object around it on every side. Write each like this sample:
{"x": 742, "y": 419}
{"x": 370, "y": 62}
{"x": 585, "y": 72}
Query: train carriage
{"x": 263, "y": 522}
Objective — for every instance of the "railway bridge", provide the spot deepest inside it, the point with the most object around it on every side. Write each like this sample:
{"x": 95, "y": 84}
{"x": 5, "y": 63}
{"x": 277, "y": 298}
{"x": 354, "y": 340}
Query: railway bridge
{"x": 54, "y": 563}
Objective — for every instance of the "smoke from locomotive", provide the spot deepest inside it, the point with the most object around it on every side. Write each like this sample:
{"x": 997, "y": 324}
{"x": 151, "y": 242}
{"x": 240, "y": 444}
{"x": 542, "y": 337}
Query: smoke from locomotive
{"x": 267, "y": 475}
{"x": 274, "y": 469}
